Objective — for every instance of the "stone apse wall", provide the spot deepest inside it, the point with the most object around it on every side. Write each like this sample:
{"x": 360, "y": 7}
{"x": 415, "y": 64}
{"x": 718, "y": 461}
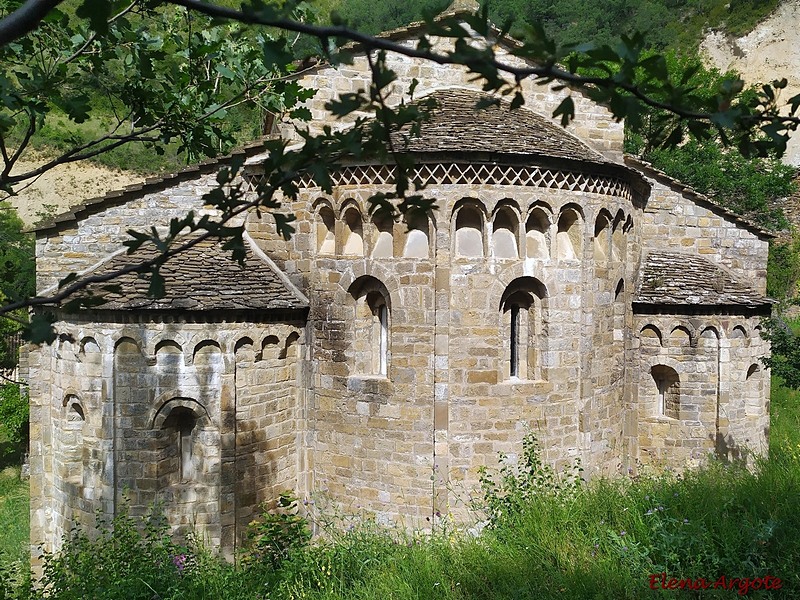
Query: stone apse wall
{"x": 431, "y": 346}
{"x": 202, "y": 419}
{"x": 560, "y": 263}
{"x": 700, "y": 388}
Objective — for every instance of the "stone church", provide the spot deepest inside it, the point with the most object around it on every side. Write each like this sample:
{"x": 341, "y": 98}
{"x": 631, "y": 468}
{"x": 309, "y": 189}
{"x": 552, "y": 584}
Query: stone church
{"x": 561, "y": 287}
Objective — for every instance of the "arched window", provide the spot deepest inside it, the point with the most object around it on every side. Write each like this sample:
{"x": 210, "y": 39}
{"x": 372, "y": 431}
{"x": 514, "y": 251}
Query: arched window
{"x": 417, "y": 236}
{"x": 537, "y": 234}
{"x": 71, "y": 436}
{"x": 469, "y": 232}
{"x": 619, "y": 312}
{"x": 602, "y": 237}
{"x": 569, "y": 235}
{"x": 353, "y": 243}
{"x": 371, "y": 327}
{"x": 183, "y": 422}
{"x": 523, "y": 329}
{"x": 326, "y": 236}
{"x": 383, "y": 246}
{"x": 180, "y": 422}
{"x": 668, "y": 386}
{"x": 505, "y": 228}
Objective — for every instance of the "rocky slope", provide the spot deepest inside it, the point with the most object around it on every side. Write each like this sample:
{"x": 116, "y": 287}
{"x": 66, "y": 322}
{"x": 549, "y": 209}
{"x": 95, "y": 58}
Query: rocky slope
{"x": 767, "y": 53}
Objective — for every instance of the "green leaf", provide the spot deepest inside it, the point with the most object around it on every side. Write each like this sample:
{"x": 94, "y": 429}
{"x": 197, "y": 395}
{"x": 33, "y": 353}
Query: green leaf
{"x": 157, "y": 288}
{"x": 97, "y": 12}
{"x": 41, "y": 330}
{"x": 566, "y": 110}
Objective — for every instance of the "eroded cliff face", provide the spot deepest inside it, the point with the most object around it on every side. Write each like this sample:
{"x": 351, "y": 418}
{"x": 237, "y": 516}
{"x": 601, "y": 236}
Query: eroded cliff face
{"x": 767, "y": 53}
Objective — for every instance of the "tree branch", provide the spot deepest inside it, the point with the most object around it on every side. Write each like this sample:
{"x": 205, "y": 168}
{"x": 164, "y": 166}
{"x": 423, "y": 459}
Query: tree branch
{"x": 25, "y": 19}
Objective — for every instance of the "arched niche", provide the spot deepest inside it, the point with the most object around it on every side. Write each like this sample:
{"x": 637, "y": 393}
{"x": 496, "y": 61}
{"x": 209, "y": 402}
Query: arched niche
{"x": 602, "y": 237}
{"x": 383, "y": 236}
{"x": 469, "y": 232}
{"x": 680, "y": 337}
{"x": 417, "y": 240}
{"x": 206, "y": 353}
{"x": 505, "y": 231}
{"x": 244, "y": 351}
{"x": 650, "y": 335}
{"x": 709, "y": 339}
{"x": 537, "y": 234}
{"x": 169, "y": 354}
{"x": 353, "y": 242}
{"x": 371, "y": 333}
{"x": 270, "y": 348}
{"x": 618, "y": 237}
{"x": 326, "y": 230}
{"x": 739, "y": 337}
{"x": 668, "y": 386}
{"x": 290, "y": 346}
{"x": 569, "y": 238}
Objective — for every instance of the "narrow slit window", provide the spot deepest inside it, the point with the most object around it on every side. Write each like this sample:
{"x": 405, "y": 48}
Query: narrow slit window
{"x": 515, "y": 341}
{"x": 383, "y": 319}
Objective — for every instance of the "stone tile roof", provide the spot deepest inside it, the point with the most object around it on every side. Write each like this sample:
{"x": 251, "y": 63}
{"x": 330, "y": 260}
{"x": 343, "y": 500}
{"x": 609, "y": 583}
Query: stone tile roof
{"x": 456, "y": 125}
{"x": 682, "y": 279}
{"x": 205, "y": 277}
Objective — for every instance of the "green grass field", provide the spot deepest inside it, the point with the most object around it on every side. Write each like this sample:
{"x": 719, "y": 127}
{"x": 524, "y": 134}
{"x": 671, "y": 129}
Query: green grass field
{"x": 14, "y": 518}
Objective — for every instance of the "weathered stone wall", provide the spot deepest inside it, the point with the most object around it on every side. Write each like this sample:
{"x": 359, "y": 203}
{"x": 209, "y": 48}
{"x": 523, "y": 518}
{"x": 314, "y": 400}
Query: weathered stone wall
{"x": 186, "y": 415}
{"x": 81, "y": 245}
{"x": 672, "y": 221}
{"x": 449, "y": 403}
{"x": 721, "y": 402}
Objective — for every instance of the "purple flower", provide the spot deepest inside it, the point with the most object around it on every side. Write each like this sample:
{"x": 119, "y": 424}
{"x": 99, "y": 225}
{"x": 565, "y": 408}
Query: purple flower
{"x": 179, "y": 560}
{"x": 622, "y": 533}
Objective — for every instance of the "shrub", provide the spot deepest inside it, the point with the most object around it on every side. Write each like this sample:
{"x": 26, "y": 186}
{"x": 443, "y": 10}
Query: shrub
{"x": 13, "y": 420}
{"x": 520, "y": 484}
{"x": 131, "y": 559}
{"x": 279, "y": 533}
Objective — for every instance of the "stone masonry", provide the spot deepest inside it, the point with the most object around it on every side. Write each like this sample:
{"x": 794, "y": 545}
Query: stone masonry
{"x": 559, "y": 288}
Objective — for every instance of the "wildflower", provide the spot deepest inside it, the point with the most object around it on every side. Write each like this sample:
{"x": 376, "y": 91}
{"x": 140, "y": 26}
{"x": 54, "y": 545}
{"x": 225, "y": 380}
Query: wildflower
{"x": 649, "y": 512}
{"x": 686, "y": 521}
{"x": 622, "y": 533}
{"x": 660, "y": 508}
{"x": 624, "y": 548}
{"x": 179, "y": 560}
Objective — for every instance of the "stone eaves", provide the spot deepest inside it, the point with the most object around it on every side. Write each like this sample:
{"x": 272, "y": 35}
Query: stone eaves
{"x": 204, "y": 278}
{"x": 695, "y": 196}
{"x": 671, "y": 278}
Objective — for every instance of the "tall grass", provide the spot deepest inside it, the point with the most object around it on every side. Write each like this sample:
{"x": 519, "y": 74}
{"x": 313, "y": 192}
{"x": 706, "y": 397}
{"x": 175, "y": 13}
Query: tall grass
{"x": 607, "y": 539}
